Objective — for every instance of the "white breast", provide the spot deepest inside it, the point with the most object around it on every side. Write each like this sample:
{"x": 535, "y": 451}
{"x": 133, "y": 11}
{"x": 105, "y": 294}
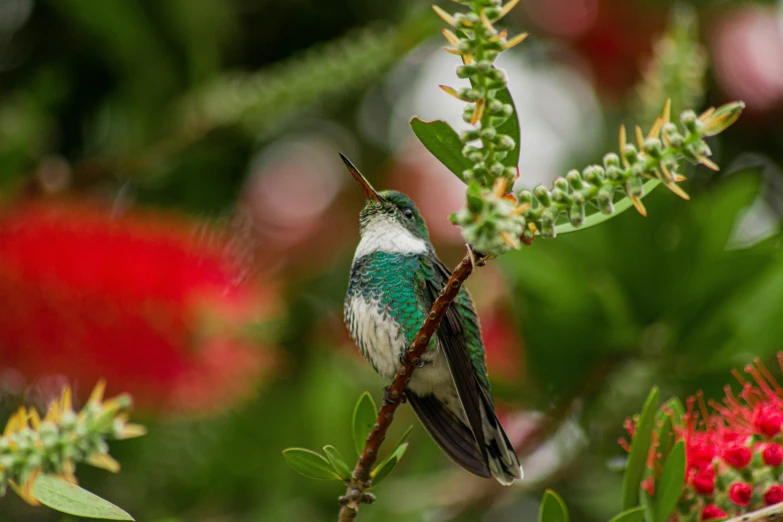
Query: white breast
{"x": 383, "y": 234}
{"x": 378, "y": 336}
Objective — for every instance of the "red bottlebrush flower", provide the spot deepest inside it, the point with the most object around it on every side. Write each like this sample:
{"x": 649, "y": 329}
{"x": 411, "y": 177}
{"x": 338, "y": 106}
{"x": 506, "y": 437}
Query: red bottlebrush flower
{"x": 740, "y": 493}
{"x": 737, "y": 456}
{"x": 774, "y": 495}
{"x": 712, "y": 512}
{"x": 772, "y": 454}
{"x": 704, "y": 482}
{"x": 648, "y": 485}
{"x": 137, "y": 300}
{"x": 767, "y": 419}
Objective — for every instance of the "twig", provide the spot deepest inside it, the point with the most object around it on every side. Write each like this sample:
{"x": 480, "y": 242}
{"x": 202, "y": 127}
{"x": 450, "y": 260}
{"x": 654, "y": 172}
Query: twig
{"x": 772, "y": 513}
{"x": 361, "y": 481}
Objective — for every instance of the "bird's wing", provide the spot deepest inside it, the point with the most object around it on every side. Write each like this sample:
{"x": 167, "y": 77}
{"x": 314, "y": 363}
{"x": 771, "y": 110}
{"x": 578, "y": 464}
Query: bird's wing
{"x": 452, "y": 336}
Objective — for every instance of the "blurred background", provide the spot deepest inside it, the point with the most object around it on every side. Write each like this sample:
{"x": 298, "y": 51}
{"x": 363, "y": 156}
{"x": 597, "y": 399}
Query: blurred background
{"x": 174, "y": 218}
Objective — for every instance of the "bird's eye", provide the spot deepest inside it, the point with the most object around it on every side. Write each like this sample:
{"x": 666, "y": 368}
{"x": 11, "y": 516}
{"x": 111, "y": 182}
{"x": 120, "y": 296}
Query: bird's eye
{"x": 408, "y": 213}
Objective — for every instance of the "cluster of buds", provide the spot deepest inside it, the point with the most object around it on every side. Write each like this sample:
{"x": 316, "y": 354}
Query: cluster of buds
{"x": 734, "y": 450}
{"x": 656, "y": 157}
{"x": 54, "y": 444}
{"x": 478, "y": 42}
{"x": 491, "y": 219}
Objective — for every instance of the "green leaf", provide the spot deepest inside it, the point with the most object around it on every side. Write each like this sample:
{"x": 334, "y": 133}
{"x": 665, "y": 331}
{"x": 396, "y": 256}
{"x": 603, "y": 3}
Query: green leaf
{"x": 402, "y": 439}
{"x": 553, "y": 509}
{"x": 669, "y": 489}
{"x": 310, "y": 464}
{"x": 384, "y": 468}
{"x": 665, "y": 437}
{"x": 640, "y": 448}
{"x": 337, "y": 462}
{"x": 55, "y": 492}
{"x": 443, "y": 142}
{"x": 511, "y": 128}
{"x": 364, "y": 416}
{"x": 597, "y": 218}
{"x": 632, "y": 515}
{"x": 678, "y": 411}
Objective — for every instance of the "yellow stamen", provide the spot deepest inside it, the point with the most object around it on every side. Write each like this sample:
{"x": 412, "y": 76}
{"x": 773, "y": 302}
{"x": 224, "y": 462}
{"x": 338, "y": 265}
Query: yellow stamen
{"x": 478, "y": 113}
{"x": 532, "y": 227}
{"x": 706, "y": 114}
{"x": 451, "y": 91}
{"x": 666, "y": 172}
{"x": 103, "y": 461}
{"x": 622, "y": 146}
{"x": 518, "y": 39}
{"x": 451, "y": 50}
{"x": 678, "y": 177}
{"x": 656, "y": 128}
{"x": 708, "y": 163}
{"x": 68, "y": 471}
{"x": 499, "y": 189}
{"x": 637, "y": 203}
{"x": 521, "y": 209}
{"x": 667, "y": 110}
{"x": 451, "y": 37}
{"x": 508, "y": 240}
{"x": 35, "y": 419}
{"x": 485, "y": 21}
{"x": 130, "y": 431}
{"x": 640, "y": 138}
{"x": 65, "y": 402}
{"x": 677, "y": 190}
{"x": 97, "y": 393}
{"x": 503, "y": 33}
{"x": 443, "y": 14}
{"x": 507, "y": 8}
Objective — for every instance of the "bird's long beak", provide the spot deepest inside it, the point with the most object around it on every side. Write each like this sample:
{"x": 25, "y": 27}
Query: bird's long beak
{"x": 369, "y": 192}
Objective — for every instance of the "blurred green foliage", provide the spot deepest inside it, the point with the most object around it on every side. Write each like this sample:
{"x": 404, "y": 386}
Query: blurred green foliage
{"x": 167, "y": 103}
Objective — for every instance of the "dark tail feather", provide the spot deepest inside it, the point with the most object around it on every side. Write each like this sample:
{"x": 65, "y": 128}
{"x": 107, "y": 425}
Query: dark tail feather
{"x": 448, "y": 432}
{"x": 502, "y": 459}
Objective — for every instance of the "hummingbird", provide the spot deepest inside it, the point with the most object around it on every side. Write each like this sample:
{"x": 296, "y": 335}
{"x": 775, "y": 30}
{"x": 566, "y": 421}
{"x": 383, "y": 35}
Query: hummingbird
{"x": 395, "y": 278}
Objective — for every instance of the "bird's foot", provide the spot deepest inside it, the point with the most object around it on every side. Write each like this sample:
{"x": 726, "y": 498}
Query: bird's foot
{"x": 393, "y": 397}
{"x": 415, "y": 363}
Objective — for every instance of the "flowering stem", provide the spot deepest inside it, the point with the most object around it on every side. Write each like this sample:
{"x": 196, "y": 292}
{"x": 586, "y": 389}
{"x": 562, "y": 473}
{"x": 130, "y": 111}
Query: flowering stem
{"x": 361, "y": 480}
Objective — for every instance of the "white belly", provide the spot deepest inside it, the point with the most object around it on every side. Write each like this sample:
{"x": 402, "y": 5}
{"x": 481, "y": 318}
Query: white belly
{"x": 382, "y": 342}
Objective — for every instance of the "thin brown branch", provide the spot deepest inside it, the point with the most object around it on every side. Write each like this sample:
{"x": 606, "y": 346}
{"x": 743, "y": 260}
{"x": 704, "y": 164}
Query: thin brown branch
{"x": 361, "y": 481}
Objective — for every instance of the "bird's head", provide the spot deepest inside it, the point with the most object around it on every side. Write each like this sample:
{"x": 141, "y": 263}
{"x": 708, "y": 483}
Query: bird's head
{"x": 388, "y": 211}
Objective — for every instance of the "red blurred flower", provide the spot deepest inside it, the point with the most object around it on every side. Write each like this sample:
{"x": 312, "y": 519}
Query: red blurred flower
{"x": 712, "y": 512}
{"x": 737, "y": 456}
{"x": 774, "y": 495}
{"x": 773, "y": 455}
{"x": 704, "y": 481}
{"x": 137, "y": 300}
{"x": 740, "y": 493}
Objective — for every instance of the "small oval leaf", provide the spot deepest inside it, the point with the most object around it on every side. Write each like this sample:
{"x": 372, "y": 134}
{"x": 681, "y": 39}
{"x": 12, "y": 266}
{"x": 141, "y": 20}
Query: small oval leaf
{"x": 669, "y": 489}
{"x": 338, "y": 464}
{"x": 365, "y": 413}
{"x": 640, "y": 448}
{"x": 384, "y": 468}
{"x": 443, "y": 142}
{"x": 553, "y": 509}
{"x": 57, "y": 493}
{"x": 632, "y": 515}
{"x": 310, "y": 464}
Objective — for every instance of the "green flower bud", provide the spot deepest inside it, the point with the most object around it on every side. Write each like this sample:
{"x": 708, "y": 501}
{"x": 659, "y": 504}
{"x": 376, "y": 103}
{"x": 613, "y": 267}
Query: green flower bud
{"x": 524, "y": 196}
{"x": 496, "y": 170}
{"x": 604, "y": 200}
{"x": 611, "y": 160}
{"x": 576, "y": 215}
{"x": 613, "y": 173}
{"x": 630, "y": 155}
{"x": 466, "y": 71}
{"x": 690, "y": 121}
{"x": 467, "y": 94}
{"x": 542, "y": 194}
{"x": 504, "y": 142}
{"x": 653, "y": 147}
{"x": 468, "y": 112}
{"x": 575, "y": 179}
{"x": 492, "y": 13}
{"x": 634, "y": 186}
{"x": 465, "y": 46}
{"x": 484, "y": 66}
{"x": 487, "y": 134}
{"x": 547, "y": 224}
{"x": 509, "y": 172}
{"x": 562, "y": 184}
{"x": 494, "y": 107}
